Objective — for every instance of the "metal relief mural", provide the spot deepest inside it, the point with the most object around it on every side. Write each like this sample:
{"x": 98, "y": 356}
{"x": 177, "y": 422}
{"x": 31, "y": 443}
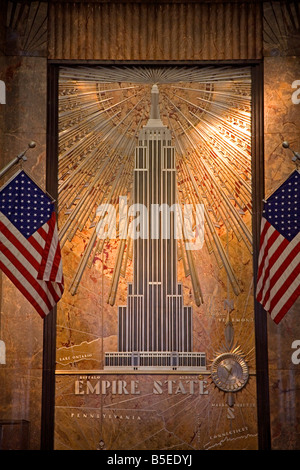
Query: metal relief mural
{"x": 155, "y": 331}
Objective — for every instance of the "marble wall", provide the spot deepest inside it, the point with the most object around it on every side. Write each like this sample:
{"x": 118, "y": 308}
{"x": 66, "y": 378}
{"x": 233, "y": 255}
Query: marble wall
{"x": 282, "y": 122}
{"x": 22, "y": 120}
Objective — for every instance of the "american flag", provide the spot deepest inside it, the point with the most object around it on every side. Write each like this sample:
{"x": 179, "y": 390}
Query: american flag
{"x": 278, "y": 279}
{"x": 29, "y": 246}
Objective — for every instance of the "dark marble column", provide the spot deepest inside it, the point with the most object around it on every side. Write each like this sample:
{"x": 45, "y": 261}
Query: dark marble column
{"x": 22, "y": 119}
{"x": 282, "y": 122}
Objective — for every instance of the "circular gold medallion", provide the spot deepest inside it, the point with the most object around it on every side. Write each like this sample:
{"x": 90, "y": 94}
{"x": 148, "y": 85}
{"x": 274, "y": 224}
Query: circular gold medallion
{"x": 229, "y": 372}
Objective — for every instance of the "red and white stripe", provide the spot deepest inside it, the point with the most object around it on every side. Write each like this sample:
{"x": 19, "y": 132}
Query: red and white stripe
{"x": 34, "y": 264}
{"x": 278, "y": 280}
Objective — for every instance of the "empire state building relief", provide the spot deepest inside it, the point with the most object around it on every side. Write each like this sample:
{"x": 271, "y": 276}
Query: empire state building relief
{"x": 155, "y": 328}
{"x": 155, "y": 215}
{"x": 155, "y": 224}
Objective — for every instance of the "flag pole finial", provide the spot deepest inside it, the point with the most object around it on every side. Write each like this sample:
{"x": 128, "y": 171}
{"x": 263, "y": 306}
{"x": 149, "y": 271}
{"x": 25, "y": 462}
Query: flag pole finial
{"x": 296, "y": 157}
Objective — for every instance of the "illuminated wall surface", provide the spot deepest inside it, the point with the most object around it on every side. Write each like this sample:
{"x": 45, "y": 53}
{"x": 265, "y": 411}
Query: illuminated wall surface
{"x": 139, "y": 366}
{"x": 148, "y": 357}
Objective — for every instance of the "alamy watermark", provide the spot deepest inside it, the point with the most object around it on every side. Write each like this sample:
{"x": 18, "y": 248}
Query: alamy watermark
{"x": 296, "y": 354}
{"x": 160, "y": 221}
{"x": 296, "y": 94}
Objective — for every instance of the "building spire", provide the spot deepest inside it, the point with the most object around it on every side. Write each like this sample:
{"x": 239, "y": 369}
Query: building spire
{"x": 154, "y": 120}
{"x": 154, "y": 112}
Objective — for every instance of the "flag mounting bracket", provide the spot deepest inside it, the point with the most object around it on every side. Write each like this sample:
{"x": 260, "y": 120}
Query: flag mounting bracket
{"x": 16, "y": 160}
{"x": 296, "y": 157}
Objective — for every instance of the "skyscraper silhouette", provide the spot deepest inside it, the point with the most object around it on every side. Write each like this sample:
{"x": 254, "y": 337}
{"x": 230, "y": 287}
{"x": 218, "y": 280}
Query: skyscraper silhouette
{"x": 155, "y": 328}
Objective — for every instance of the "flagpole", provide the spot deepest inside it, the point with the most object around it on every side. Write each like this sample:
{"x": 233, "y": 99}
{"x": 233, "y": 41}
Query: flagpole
{"x": 16, "y": 160}
{"x": 3, "y": 172}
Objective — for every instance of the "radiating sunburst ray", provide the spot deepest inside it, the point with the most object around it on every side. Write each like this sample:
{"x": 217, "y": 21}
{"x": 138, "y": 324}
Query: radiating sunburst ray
{"x": 281, "y": 27}
{"x": 208, "y": 109}
{"x": 26, "y": 24}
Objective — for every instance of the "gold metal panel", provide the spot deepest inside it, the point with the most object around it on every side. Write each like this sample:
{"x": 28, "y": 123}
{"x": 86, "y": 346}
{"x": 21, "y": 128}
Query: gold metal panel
{"x": 155, "y": 31}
